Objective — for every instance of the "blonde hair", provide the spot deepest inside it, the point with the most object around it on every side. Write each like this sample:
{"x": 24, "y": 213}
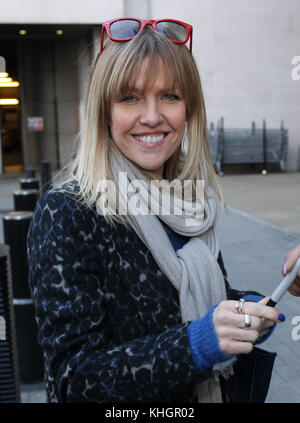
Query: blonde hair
{"x": 112, "y": 74}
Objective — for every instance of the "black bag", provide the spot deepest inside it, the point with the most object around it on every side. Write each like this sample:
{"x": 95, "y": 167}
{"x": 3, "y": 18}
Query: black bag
{"x": 252, "y": 376}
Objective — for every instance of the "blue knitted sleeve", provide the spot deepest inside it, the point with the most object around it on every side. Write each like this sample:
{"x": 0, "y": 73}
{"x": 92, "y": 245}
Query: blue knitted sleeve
{"x": 204, "y": 342}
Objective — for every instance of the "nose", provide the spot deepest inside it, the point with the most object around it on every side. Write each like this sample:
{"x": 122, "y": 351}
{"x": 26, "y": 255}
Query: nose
{"x": 151, "y": 114}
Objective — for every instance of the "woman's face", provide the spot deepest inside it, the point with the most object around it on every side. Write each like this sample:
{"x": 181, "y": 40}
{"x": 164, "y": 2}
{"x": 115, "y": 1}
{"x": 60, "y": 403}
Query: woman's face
{"x": 148, "y": 126}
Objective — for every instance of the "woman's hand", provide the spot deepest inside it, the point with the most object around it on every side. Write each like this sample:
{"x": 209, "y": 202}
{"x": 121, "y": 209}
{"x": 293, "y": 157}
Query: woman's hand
{"x": 290, "y": 260}
{"x": 229, "y": 324}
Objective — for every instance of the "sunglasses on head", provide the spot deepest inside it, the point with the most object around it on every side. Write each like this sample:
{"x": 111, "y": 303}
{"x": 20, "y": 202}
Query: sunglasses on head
{"x": 125, "y": 29}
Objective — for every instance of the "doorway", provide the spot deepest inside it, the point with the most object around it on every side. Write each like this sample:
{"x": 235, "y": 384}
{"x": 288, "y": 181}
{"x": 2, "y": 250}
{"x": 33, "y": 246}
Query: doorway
{"x": 51, "y": 64}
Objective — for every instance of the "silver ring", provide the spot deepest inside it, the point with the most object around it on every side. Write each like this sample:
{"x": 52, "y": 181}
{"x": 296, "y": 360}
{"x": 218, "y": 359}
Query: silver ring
{"x": 247, "y": 320}
{"x": 239, "y": 305}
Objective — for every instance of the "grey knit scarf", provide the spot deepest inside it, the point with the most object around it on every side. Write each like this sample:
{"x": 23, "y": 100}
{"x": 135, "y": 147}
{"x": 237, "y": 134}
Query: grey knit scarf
{"x": 193, "y": 269}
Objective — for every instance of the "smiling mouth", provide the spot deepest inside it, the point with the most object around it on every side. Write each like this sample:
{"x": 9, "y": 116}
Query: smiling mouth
{"x": 150, "y": 139}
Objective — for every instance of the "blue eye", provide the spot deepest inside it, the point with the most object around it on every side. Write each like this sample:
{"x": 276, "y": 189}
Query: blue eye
{"x": 171, "y": 97}
{"x": 129, "y": 99}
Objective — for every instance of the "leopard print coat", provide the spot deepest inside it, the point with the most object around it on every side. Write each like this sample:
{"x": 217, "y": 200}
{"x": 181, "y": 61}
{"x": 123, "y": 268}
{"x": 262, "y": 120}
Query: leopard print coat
{"x": 108, "y": 319}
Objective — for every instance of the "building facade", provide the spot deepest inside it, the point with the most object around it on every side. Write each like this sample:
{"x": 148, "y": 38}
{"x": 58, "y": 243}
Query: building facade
{"x": 245, "y": 51}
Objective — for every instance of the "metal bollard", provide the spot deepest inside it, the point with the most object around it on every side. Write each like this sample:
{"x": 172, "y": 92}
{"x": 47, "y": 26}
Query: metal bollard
{"x": 46, "y": 177}
{"x": 30, "y": 181}
{"x": 265, "y": 150}
{"x": 30, "y": 358}
{"x": 25, "y": 199}
{"x": 16, "y": 225}
{"x": 29, "y": 173}
{"x": 9, "y": 371}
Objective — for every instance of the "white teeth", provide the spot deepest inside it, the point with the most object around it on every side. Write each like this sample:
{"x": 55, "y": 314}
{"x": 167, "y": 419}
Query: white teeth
{"x": 149, "y": 139}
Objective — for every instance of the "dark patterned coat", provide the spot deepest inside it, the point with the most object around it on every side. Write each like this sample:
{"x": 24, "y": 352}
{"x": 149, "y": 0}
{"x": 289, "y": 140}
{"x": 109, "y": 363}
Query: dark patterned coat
{"x": 109, "y": 320}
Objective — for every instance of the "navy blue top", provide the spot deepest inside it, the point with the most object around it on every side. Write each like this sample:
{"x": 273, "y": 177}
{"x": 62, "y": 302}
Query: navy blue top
{"x": 176, "y": 239}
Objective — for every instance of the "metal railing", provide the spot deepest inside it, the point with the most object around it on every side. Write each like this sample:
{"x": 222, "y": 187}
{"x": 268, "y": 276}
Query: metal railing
{"x": 247, "y": 146}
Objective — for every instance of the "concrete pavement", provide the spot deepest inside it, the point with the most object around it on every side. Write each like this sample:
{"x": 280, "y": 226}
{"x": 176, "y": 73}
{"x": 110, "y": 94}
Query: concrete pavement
{"x": 262, "y": 223}
{"x": 253, "y": 252}
{"x": 274, "y": 198}
{"x": 261, "y": 226}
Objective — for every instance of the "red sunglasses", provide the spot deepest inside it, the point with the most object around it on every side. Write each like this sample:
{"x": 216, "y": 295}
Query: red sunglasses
{"x": 125, "y": 29}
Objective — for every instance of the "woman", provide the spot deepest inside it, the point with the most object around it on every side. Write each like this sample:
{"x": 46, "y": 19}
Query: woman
{"x": 135, "y": 306}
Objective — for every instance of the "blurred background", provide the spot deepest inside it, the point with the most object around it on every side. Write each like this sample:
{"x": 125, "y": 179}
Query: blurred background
{"x": 244, "y": 51}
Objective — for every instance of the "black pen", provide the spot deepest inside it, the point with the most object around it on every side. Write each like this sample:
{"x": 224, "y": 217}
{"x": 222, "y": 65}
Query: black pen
{"x": 284, "y": 285}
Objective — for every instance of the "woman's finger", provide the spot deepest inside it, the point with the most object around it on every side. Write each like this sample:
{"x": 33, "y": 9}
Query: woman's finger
{"x": 228, "y": 317}
{"x": 237, "y": 334}
{"x": 255, "y": 322}
{"x": 262, "y": 311}
{"x": 290, "y": 260}
{"x": 264, "y": 301}
{"x": 235, "y": 347}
